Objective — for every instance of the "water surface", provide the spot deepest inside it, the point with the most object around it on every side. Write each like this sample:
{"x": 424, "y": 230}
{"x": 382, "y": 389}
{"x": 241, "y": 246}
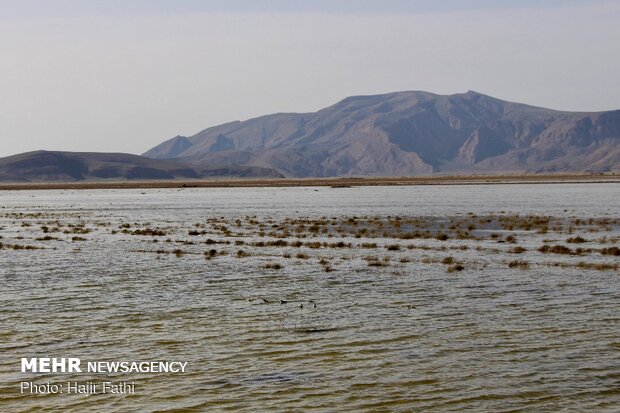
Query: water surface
{"x": 407, "y": 336}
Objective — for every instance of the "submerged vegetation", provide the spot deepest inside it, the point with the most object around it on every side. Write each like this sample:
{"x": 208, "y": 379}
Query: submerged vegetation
{"x": 408, "y": 241}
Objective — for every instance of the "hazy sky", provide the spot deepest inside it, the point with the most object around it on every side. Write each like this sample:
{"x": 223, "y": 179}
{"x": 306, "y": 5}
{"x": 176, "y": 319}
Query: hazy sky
{"x": 123, "y": 75}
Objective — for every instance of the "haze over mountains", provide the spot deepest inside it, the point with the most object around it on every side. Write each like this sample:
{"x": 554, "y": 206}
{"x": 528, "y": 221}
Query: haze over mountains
{"x": 410, "y": 133}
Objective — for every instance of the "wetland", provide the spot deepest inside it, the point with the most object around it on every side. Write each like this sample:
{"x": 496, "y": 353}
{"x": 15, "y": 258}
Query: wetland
{"x": 374, "y": 298}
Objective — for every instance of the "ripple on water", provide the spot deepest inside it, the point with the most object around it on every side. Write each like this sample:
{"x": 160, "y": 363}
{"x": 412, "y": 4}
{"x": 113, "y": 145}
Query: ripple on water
{"x": 408, "y": 336}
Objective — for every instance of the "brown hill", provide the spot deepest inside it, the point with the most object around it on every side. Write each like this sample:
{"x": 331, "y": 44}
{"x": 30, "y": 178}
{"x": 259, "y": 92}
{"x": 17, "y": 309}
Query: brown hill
{"x": 46, "y": 166}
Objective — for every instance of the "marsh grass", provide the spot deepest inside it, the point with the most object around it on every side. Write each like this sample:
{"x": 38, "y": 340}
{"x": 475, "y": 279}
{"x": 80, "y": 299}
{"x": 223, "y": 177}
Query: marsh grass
{"x": 145, "y": 232}
{"x": 518, "y": 264}
{"x": 556, "y": 249}
{"x": 47, "y": 238}
{"x": 613, "y": 251}
{"x": 517, "y": 250}
{"x": 18, "y": 247}
{"x": 586, "y": 265}
{"x": 576, "y": 240}
{"x": 210, "y": 254}
{"x": 242, "y": 254}
{"x": 368, "y": 245}
{"x": 330, "y": 233}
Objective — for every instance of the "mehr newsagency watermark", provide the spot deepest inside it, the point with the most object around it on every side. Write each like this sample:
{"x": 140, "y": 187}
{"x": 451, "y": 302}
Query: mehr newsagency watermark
{"x": 74, "y": 365}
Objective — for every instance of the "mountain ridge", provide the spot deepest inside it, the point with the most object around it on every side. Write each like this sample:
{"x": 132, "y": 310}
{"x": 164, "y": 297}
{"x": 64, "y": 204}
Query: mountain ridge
{"x": 59, "y": 166}
{"x": 410, "y": 133}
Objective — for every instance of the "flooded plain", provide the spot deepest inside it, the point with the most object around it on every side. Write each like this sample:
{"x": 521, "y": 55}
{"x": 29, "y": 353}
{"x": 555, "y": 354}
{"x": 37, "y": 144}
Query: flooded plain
{"x": 495, "y": 298}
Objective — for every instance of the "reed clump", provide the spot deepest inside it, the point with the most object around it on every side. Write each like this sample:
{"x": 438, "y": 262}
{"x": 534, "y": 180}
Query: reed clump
{"x": 148, "y": 232}
{"x": 242, "y": 254}
{"x": 368, "y": 245}
{"x": 18, "y": 247}
{"x": 613, "y": 251}
{"x": 46, "y": 238}
{"x": 377, "y": 262}
{"x": 587, "y": 266}
{"x": 556, "y": 249}
{"x": 518, "y": 264}
{"x": 576, "y": 240}
{"x": 517, "y": 250}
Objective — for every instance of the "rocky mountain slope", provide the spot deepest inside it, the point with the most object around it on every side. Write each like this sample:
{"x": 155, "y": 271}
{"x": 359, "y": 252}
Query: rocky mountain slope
{"x": 410, "y": 133}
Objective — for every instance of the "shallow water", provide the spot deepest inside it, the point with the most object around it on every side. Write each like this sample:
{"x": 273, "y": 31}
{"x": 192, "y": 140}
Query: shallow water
{"x": 408, "y": 336}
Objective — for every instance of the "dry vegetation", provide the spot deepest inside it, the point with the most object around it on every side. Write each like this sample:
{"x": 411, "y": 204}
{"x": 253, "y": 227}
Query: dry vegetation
{"x": 326, "y": 182}
{"x": 400, "y": 240}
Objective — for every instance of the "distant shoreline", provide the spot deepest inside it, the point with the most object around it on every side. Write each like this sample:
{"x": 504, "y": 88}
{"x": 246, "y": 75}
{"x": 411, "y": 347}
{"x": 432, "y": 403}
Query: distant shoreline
{"x": 325, "y": 182}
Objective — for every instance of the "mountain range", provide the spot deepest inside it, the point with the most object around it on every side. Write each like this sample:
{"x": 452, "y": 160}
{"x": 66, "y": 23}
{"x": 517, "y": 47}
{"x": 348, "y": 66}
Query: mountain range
{"x": 410, "y": 133}
{"x": 396, "y": 134}
{"x": 50, "y": 166}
